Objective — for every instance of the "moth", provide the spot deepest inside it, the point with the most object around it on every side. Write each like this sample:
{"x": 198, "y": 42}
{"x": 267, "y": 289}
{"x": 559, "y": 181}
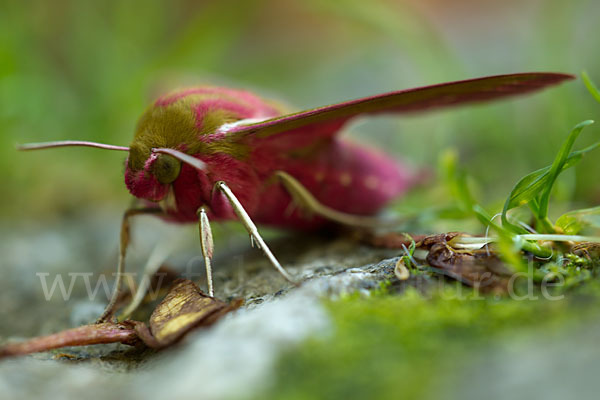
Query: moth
{"x": 214, "y": 153}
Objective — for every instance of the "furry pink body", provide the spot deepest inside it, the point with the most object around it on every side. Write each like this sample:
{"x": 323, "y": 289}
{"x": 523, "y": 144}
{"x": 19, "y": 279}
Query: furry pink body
{"x": 342, "y": 175}
{"x": 208, "y": 123}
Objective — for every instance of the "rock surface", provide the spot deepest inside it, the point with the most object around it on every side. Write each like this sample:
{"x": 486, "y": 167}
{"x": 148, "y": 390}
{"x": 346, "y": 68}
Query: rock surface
{"x": 236, "y": 357}
{"x": 232, "y": 359}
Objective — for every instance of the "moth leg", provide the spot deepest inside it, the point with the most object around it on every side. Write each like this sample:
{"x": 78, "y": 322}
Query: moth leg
{"x": 255, "y": 237}
{"x": 123, "y": 243}
{"x": 207, "y": 246}
{"x": 157, "y": 257}
{"x": 305, "y": 200}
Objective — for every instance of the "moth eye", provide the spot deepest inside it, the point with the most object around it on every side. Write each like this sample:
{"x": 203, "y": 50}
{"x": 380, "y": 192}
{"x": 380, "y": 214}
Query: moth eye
{"x": 166, "y": 168}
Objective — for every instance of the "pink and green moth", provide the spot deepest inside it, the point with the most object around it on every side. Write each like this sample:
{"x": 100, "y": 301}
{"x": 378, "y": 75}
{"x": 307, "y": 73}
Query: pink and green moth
{"x": 212, "y": 153}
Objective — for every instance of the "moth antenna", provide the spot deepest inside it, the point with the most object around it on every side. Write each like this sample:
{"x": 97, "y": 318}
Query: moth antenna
{"x": 194, "y": 162}
{"x": 69, "y": 143}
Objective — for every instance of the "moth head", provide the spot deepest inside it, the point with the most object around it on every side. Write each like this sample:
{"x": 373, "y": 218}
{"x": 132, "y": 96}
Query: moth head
{"x": 148, "y": 174}
{"x": 159, "y": 170}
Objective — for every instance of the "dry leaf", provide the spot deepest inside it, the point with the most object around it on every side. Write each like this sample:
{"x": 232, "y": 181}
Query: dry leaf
{"x": 477, "y": 268}
{"x": 428, "y": 241}
{"x": 400, "y": 270}
{"x": 184, "y": 308}
{"x": 589, "y": 250}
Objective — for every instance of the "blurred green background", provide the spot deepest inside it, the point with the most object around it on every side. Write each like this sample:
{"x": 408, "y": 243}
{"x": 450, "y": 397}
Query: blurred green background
{"x": 87, "y": 69}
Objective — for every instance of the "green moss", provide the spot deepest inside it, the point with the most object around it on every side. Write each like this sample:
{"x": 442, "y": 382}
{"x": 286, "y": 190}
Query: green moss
{"x": 388, "y": 345}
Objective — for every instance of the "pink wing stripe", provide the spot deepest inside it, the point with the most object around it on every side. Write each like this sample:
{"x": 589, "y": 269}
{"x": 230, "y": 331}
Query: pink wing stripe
{"x": 410, "y": 100}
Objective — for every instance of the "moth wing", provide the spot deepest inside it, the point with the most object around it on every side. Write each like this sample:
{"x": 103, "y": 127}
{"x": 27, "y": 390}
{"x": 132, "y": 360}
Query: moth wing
{"x": 328, "y": 120}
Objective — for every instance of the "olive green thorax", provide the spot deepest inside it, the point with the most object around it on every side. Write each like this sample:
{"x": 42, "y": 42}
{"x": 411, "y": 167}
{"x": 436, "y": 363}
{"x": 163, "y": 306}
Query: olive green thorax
{"x": 176, "y": 126}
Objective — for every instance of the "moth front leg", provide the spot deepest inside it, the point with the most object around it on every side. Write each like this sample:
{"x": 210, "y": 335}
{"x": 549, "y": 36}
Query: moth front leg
{"x": 251, "y": 228}
{"x": 207, "y": 246}
{"x": 123, "y": 244}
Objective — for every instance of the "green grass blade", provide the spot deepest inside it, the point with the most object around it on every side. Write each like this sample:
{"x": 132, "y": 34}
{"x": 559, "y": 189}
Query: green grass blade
{"x": 523, "y": 192}
{"x": 576, "y": 156}
{"x": 456, "y": 180}
{"x": 557, "y": 167}
{"x": 572, "y": 222}
{"x": 528, "y": 188}
{"x": 593, "y": 89}
{"x": 510, "y": 242}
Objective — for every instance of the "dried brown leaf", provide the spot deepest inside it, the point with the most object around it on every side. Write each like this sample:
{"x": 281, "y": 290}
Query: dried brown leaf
{"x": 400, "y": 270}
{"x": 428, "y": 241}
{"x": 184, "y": 308}
{"x": 589, "y": 250}
{"x": 481, "y": 269}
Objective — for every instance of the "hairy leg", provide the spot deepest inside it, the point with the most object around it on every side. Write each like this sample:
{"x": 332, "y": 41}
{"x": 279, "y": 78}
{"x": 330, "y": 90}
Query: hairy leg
{"x": 306, "y": 201}
{"x": 206, "y": 243}
{"x": 123, "y": 243}
{"x": 251, "y": 228}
